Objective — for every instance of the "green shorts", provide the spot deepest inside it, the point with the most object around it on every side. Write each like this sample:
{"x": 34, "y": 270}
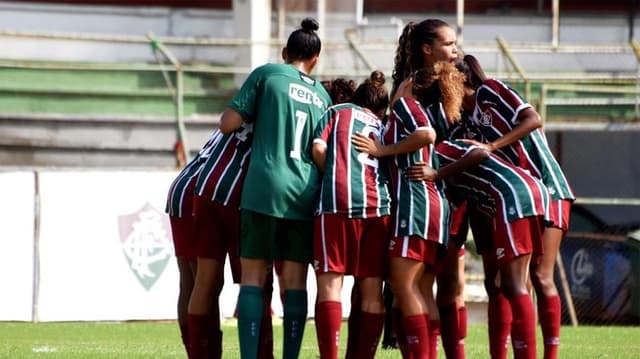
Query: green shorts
{"x": 266, "y": 237}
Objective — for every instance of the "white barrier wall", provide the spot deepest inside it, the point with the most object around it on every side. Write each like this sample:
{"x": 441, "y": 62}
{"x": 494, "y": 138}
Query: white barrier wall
{"x": 16, "y": 245}
{"x": 105, "y": 249}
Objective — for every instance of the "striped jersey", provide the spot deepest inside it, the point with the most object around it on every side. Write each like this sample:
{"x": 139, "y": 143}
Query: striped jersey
{"x": 420, "y": 206}
{"x": 495, "y": 114}
{"x": 353, "y": 183}
{"x": 285, "y": 106}
{"x": 495, "y": 186}
{"x": 223, "y": 171}
{"x": 444, "y": 129}
{"x": 180, "y": 197}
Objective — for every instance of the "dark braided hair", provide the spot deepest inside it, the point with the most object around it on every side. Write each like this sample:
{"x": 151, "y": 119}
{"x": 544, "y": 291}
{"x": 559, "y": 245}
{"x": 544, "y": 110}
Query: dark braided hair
{"x": 409, "y": 56}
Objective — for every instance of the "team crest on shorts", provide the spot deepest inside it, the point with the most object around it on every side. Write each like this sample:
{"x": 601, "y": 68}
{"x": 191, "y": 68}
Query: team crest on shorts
{"x": 146, "y": 243}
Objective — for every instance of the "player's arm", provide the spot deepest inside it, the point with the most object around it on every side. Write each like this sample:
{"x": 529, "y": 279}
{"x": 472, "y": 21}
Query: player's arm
{"x": 421, "y": 171}
{"x": 319, "y": 153}
{"x": 529, "y": 121}
{"x": 230, "y": 121}
{"x": 415, "y": 141}
{"x": 472, "y": 158}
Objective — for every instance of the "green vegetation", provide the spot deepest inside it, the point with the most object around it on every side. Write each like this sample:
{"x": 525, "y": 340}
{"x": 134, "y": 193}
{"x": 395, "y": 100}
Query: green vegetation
{"x": 162, "y": 340}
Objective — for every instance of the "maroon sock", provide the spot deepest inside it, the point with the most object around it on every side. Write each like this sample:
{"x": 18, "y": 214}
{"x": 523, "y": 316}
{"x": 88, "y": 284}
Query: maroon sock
{"x": 417, "y": 336}
{"x": 523, "y": 327}
{"x": 499, "y": 325}
{"x": 184, "y": 334}
{"x": 328, "y": 321}
{"x": 199, "y": 329}
{"x": 462, "y": 331}
{"x": 353, "y": 327}
{"x": 549, "y": 311}
{"x": 449, "y": 324}
{"x": 398, "y": 327}
{"x": 368, "y": 335}
{"x": 462, "y": 320}
{"x": 434, "y": 333}
{"x": 215, "y": 334}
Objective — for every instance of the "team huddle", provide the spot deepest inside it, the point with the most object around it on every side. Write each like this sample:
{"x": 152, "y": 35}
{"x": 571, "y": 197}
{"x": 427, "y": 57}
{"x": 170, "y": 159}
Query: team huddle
{"x": 383, "y": 187}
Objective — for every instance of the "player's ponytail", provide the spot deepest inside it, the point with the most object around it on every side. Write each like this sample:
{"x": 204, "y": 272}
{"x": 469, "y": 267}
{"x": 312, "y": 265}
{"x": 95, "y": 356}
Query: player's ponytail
{"x": 409, "y": 54}
{"x": 402, "y": 68}
{"x": 304, "y": 43}
{"x": 372, "y": 94}
{"x": 470, "y": 66}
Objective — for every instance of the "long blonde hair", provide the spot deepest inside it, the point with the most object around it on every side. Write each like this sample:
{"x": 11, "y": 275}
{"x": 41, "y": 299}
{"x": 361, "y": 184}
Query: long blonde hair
{"x": 450, "y": 89}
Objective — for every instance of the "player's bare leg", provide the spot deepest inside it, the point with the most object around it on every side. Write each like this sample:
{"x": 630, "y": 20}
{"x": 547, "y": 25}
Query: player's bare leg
{"x": 405, "y": 281}
{"x": 514, "y": 276}
{"x": 549, "y": 306}
{"x": 371, "y": 317}
{"x": 451, "y": 302}
{"x": 187, "y": 272}
{"x": 433, "y": 317}
{"x": 204, "y": 310}
{"x": 499, "y": 310}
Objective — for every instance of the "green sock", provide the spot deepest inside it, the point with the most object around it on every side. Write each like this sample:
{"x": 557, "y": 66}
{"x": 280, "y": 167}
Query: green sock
{"x": 249, "y": 318}
{"x": 295, "y": 318}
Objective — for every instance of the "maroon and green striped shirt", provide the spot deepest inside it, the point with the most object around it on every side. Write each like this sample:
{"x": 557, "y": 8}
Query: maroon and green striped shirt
{"x": 353, "y": 183}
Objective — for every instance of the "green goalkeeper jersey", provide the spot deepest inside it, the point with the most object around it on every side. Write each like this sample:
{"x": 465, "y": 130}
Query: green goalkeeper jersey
{"x": 285, "y": 106}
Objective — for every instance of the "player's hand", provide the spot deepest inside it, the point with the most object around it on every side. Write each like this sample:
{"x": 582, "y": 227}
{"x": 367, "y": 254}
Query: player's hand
{"x": 421, "y": 171}
{"x": 367, "y": 144}
{"x": 485, "y": 146}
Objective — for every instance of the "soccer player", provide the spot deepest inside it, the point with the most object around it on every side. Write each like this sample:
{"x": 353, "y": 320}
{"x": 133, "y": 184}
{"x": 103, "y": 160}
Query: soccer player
{"x": 420, "y": 47}
{"x": 284, "y": 104}
{"x": 217, "y": 222}
{"x": 509, "y": 127}
{"x": 420, "y": 217}
{"x": 516, "y": 203}
{"x": 351, "y": 228}
{"x": 180, "y": 210}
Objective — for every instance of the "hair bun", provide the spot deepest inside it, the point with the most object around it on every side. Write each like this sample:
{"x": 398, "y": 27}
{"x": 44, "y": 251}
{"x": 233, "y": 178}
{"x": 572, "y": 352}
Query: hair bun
{"x": 377, "y": 78}
{"x": 310, "y": 24}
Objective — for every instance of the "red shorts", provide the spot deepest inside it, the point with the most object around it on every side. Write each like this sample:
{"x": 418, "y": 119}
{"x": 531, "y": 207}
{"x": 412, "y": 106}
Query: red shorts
{"x": 516, "y": 238}
{"x": 559, "y": 213}
{"x": 183, "y": 233}
{"x": 217, "y": 232}
{"x": 416, "y": 248}
{"x": 353, "y": 246}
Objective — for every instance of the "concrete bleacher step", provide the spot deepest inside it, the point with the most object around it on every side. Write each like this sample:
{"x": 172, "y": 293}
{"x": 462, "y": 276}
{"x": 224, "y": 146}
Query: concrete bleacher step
{"x": 102, "y": 115}
{"x": 89, "y": 89}
{"x": 85, "y": 141}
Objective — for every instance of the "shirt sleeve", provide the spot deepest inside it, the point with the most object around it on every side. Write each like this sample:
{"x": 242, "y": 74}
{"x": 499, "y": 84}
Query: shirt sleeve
{"x": 325, "y": 126}
{"x": 496, "y": 95}
{"x": 245, "y": 101}
{"x": 411, "y": 115}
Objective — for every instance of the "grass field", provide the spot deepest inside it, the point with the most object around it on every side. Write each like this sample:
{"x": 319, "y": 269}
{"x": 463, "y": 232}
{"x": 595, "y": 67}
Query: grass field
{"x": 161, "y": 340}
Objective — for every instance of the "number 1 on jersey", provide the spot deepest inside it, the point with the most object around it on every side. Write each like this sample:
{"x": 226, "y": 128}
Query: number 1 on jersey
{"x": 301, "y": 120}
